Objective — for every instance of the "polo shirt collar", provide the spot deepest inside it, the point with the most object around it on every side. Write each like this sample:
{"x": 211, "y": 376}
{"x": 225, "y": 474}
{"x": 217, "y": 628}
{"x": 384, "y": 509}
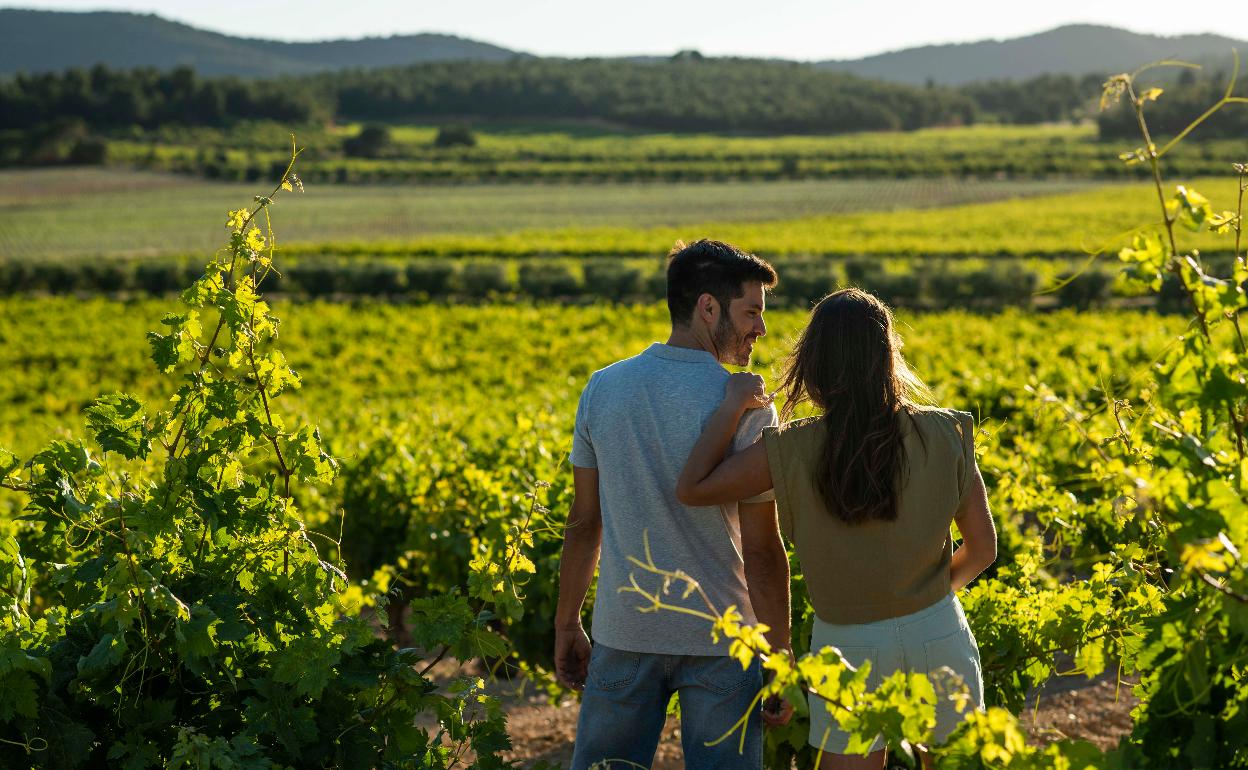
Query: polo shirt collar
{"x": 673, "y": 353}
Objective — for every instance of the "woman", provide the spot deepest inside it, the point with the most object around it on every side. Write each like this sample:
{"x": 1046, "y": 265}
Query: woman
{"x": 866, "y": 492}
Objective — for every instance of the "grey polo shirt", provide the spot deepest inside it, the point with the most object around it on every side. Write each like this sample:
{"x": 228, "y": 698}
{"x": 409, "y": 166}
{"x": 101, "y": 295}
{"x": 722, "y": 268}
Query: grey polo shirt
{"x": 636, "y": 422}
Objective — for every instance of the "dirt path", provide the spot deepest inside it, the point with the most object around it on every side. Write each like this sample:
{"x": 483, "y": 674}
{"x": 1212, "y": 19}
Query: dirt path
{"x": 1096, "y": 711}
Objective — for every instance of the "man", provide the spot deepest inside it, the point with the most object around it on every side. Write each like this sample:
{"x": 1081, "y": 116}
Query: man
{"x": 636, "y": 423}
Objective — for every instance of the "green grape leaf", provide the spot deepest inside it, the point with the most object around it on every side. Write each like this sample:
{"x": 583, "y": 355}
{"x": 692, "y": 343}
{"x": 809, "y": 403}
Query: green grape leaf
{"x": 103, "y": 658}
{"x": 1193, "y": 209}
{"x": 307, "y": 663}
{"x": 9, "y": 462}
{"x": 1146, "y": 260}
{"x": 21, "y": 696}
{"x": 118, "y": 423}
{"x": 69, "y": 742}
{"x": 439, "y": 620}
{"x": 197, "y": 637}
{"x": 480, "y": 643}
{"x": 178, "y": 345}
{"x": 69, "y": 457}
{"x": 14, "y": 584}
{"x": 306, "y": 458}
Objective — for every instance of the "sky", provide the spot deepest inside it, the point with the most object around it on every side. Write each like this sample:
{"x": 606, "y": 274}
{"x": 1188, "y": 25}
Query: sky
{"x": 790, "y": 29}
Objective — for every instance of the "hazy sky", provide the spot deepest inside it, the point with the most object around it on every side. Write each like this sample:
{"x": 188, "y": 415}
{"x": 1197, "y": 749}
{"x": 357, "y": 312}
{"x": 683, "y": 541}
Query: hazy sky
{"x": 792, "y": 29}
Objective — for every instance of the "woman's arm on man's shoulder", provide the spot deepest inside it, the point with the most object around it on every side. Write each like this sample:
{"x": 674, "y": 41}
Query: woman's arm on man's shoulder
{"x": 709, "y": 479}
{"x": 744, "y": 475}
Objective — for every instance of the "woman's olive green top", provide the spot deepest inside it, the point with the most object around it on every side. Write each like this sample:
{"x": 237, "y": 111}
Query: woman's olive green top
{"x": 861, "y": 573}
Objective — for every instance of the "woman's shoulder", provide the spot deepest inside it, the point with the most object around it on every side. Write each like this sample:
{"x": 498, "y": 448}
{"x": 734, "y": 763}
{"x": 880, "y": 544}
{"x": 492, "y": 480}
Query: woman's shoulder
{"x": 940, "y": 418}
{"x": 940, "y": 413}
{"x": 804, "y": 425}
{"x": 795, "y": 432}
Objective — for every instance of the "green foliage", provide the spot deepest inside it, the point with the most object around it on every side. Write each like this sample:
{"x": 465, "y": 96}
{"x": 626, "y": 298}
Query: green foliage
{"x": 144, "y": 97}
{"x": 484, "y": 279}
{"x": 1111, "y": 444}
{"x": 715, "y": 94}
{"x": 1132, "y": 521}
{"x": 165, "y": 602}
{"x": 372, "y": 142}
{"x": 544, "y": 280}
{"x": 1171, "y": 115}
{"x": 455, "y": 135}
{"x": 1034, "y": 227}
{"x": 71, "y": 214}
{"x": 1042, "y": 99}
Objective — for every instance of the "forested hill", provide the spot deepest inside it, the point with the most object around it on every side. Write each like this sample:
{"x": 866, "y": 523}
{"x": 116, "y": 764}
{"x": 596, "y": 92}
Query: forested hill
{"x": 51, "y": 41}
{"x": 1070, "y": 50}
{"x": 680, "y": 95}
{"x": 683, "y": 94}
{"x": 360, "y": 81}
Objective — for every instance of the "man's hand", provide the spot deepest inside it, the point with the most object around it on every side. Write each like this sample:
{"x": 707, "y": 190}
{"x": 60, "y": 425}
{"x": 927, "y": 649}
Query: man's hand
{"x": 582, "y": 539}
{"x": 777, "y": 711}
{"x": 572, "y": 650}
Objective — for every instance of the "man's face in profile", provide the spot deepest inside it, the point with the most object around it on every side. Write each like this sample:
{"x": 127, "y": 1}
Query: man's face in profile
{"x": 741, "y": 325}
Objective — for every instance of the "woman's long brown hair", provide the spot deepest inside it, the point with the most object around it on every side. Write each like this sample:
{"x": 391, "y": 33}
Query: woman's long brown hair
{"x": 848, "y": 363}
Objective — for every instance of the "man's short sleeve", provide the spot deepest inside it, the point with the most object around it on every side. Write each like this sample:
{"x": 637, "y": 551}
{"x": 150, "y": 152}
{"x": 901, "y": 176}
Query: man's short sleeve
{"x": 583, "y": 455}
{"x": 750, "y": 431}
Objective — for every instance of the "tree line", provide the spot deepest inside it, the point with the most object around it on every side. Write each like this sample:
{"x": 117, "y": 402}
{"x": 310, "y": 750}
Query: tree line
{"x": 1188, "y": 99}
{"x": 105, "y": 98}
{"x": 680, "y": 94}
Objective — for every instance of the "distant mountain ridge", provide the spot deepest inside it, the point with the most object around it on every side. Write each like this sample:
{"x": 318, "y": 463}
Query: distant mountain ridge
{"x": 51, "y": 41}
{"x": 1075, "y": 49}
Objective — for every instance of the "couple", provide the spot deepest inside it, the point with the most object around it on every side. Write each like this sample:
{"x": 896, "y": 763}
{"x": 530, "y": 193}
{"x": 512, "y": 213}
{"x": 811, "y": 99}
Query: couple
{"x": 670, "y": 444}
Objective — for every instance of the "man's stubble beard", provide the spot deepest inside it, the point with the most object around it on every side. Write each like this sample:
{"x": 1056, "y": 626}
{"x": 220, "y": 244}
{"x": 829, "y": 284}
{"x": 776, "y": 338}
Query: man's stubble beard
{"x": 729, "y": 344}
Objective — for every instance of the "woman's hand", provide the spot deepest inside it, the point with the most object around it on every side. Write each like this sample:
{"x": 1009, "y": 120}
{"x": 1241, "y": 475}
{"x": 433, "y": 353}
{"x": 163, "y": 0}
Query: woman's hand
{"x": 710, "y": 479}
{"x": 745, "y": 390}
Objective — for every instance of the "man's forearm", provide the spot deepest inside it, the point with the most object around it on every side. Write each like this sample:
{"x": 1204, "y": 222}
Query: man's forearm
{"x": 581, "y": 543}
{"x": 767, "y": 577}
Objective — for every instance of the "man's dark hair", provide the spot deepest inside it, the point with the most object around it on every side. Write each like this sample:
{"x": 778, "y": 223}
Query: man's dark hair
{"x": 711, "y": 267}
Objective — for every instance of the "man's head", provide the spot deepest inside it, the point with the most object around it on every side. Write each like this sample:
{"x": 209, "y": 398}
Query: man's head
{"x": 718, "y": 292}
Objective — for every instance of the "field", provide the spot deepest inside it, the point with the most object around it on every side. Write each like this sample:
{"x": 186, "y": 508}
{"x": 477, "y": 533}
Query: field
{"x": 442, "y": 417}
{"x": 314, "y": 554}
{"x": 79, "y": 213}
{"x": 1069, "y": 225}
{"x": 52, "y": 215}
{"x": 511, "y": 151}
{"x": 403, "y": 362}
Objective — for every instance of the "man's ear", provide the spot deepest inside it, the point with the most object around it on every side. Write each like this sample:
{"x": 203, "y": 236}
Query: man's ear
{"x": 707, "y": 309}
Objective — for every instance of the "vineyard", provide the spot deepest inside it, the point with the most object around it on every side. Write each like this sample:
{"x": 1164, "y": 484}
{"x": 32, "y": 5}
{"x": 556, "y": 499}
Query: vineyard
{"x": 62, "y": 214}
{"x": 459, "y": 412}
{"x": 889, "y": 219}
{"x": 554, "y": 152}
{"x": 312, "y": 548}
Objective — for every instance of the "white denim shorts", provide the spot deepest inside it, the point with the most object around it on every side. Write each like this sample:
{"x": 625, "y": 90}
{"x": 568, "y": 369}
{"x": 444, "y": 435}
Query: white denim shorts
{"x": 930, "y": 641}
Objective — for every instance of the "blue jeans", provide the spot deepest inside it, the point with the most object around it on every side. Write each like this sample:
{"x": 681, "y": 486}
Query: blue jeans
{"x": 625, "y": 704}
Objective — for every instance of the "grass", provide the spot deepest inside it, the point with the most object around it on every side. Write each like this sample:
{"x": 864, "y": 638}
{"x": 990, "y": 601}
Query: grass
{"x": 1062, "y": 226}
{"x": 48, "y": 214}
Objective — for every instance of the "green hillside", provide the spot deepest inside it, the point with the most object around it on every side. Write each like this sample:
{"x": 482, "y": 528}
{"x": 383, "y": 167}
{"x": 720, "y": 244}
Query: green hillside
{"x": 1074, "y": 49}
{"x": 50, "y": 41}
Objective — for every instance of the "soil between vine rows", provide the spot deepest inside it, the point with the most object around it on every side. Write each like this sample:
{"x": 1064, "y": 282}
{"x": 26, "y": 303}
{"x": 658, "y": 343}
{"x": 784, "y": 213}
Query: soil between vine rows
{"x": 1098, "y": 711}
